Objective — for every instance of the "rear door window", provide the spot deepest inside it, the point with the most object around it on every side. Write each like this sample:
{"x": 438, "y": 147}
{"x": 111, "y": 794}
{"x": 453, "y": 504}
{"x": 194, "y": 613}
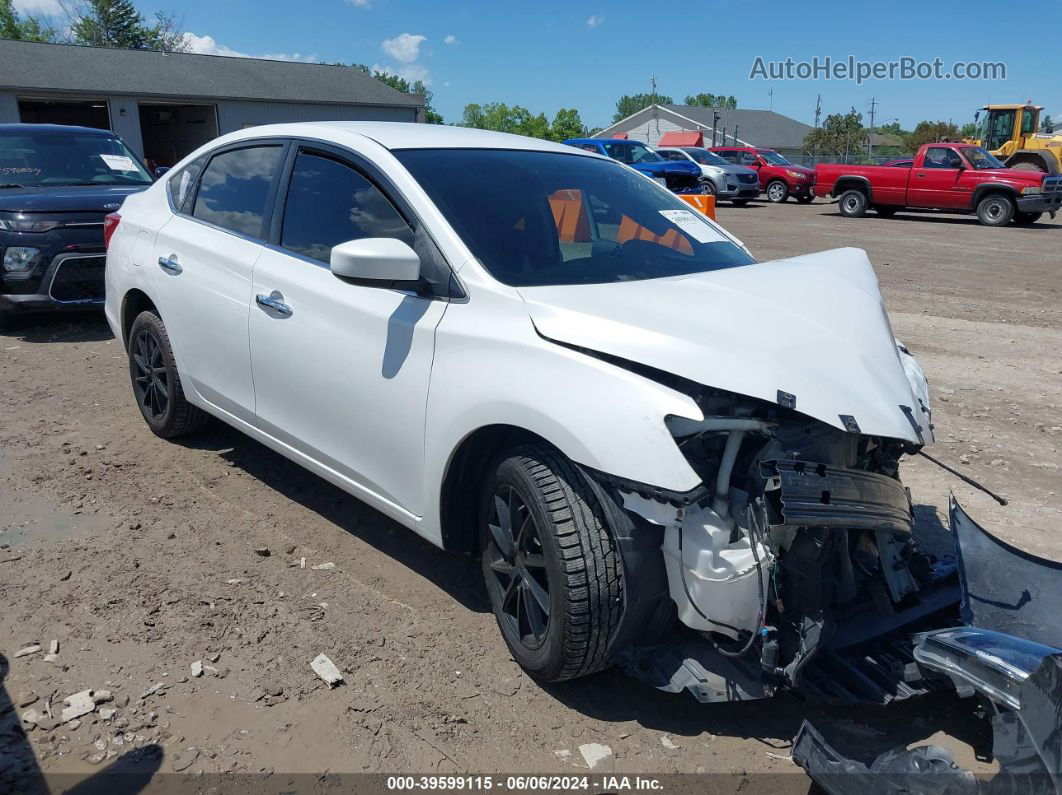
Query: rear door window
{"x": 329, "y": 203}
{"x": 235, "y": 189}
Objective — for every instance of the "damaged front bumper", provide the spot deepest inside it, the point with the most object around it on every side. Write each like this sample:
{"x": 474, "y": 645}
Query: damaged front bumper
{"x": 1009, "y": 658}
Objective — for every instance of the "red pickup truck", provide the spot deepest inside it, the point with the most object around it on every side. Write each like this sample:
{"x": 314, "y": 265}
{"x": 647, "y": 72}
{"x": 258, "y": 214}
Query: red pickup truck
{"x": 944, "y": 176}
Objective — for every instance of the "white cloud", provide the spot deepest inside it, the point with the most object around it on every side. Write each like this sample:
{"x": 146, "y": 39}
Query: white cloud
{"x": 360, "y": 3}
{"x": 48, "y": 8}
{"x": 411, "y": 72}
{"x": 208, "y": 45}
{"x": 595, "y": 20}
{"x": 404, "y": 48}
{"x": 450, "y": 39}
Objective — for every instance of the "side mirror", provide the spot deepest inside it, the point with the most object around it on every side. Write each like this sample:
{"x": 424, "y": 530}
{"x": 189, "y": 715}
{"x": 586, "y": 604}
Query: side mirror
{"x": 375, "y": 259}
{"x": 160, "y": 171}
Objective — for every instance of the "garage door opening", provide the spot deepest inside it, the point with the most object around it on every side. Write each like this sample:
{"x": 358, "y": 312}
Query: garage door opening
{"x": 171, "y": 131}
{"x": 85, "y": 113}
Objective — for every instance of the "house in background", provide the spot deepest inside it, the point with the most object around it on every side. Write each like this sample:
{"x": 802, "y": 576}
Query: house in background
{"x": 165, "y": 105}
{"x": 718, "y": 127}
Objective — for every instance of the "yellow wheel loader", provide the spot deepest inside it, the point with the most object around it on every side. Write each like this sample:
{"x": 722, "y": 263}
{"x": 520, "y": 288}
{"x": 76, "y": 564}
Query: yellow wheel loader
{"x": 1011, "y": 133}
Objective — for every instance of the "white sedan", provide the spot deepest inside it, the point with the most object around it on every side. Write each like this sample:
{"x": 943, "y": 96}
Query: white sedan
{"x": 526, "y": 351}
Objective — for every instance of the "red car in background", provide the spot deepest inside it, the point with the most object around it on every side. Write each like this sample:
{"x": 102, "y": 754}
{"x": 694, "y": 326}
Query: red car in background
{"x": 958, "y": 178}
{"x": 779, "y": 178}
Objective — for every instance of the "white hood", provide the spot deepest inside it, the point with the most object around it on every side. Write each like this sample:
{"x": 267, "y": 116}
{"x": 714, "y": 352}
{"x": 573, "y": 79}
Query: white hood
{"x": 811, "y": 326}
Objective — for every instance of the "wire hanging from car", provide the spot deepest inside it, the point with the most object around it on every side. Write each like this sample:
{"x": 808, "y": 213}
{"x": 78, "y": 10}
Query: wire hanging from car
{"x": 964, "y": 478}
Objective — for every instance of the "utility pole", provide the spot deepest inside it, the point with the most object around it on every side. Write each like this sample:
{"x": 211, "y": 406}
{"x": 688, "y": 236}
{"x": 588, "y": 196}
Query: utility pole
{"x": 818, "y": 110}
{"x": 735, "y": 136}
{"x": 870, "y": 136}
{"x": 715, "y": 123}
{"x": 770, "y": 94}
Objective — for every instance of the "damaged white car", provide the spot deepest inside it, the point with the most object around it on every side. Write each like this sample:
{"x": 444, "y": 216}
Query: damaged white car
{"x": 669, "y": 456}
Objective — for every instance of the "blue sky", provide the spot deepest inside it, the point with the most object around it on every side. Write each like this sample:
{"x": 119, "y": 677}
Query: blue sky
{"x": 548, "y": 54}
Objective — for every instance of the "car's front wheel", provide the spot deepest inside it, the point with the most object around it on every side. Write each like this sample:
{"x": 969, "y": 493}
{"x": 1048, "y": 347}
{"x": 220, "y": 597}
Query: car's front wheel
{"x": 995, "y": 209}
{"x": 777, "y": 191}
{"x": 156, "y": 384}
{"x": 552, "y": 568}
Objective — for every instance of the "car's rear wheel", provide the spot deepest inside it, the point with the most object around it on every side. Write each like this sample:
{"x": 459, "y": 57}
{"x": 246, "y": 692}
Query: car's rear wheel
{"x": 552, "y": 568}
{"x": 852, "y": 203}
{"x": 156, "y": 383}
{"x": 995, "y": 210}
{"x": 1026, "y": 218}
{"x": 777, "y": 191}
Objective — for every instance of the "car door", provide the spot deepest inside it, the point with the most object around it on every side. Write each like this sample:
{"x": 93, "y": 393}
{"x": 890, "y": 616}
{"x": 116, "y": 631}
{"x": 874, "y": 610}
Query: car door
{"x": 938, "y": 181}
{"x": 203, "y": 258}
{"x": 340, "y": 368}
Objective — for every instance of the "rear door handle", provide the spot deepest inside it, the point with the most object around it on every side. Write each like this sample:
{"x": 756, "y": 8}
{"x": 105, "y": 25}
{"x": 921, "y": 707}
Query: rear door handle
{"x": 170, "y": 264}
{"x": 272, "y": 301}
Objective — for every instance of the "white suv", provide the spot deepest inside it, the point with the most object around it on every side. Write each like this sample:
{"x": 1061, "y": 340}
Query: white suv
{"x": 531, "y": 352}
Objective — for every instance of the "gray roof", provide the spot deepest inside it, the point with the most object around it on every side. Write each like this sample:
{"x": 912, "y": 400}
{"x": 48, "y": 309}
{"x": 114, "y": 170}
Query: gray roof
{"x": 29, "y": 66}
{"x": 763, "y": 128}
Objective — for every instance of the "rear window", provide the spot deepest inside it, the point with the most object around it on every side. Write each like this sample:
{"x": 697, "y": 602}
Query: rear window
{"x": 234, "y": 189}
{"x": 572, "y": 220}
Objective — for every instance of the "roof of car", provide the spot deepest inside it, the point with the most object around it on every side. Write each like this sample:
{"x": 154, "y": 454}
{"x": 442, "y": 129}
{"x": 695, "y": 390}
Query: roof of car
{"x": 53, "y": 128}
{"x": 403, "y": 135}
{"x": 601, "y": 141}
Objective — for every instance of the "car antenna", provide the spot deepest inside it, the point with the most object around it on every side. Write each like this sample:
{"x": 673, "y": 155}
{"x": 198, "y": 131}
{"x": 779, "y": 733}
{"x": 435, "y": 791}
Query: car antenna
{"x": 964, "y": 478}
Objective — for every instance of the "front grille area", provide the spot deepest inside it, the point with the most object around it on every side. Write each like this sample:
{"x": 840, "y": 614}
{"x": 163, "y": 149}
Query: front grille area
{"x": 1053, "y": 185}
{"x": 747, "y": 178}
{"x": 79, "y": 279}
{"x": 680, "y": 180}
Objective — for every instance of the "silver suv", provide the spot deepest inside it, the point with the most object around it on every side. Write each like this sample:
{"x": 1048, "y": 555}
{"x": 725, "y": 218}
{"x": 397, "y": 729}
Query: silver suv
{"x": 724, "y": 180}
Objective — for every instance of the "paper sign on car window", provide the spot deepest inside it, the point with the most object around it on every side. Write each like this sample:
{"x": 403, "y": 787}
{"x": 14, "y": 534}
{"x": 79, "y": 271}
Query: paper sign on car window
{"x": 693, "y": 225}
{"x": 118, "y": 162}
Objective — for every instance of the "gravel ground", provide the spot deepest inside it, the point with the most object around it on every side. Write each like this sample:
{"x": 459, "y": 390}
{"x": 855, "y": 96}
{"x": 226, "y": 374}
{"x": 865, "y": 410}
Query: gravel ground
{"x": 143, "y": 558}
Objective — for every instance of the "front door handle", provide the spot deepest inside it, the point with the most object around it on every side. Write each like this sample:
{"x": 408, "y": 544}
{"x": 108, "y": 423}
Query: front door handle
{"x": 273, "y": 301}
{"x": 170, "y": 264}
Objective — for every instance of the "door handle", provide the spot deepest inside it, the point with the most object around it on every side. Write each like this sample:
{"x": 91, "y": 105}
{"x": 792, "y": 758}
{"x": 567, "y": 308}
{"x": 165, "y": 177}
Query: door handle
{"x": 919, "y": 175}
{"x": 272, "y": 301}
{"x": 170, "y": 264}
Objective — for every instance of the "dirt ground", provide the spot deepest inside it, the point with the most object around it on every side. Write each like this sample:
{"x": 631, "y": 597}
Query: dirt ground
{"x": 142, "y": 557}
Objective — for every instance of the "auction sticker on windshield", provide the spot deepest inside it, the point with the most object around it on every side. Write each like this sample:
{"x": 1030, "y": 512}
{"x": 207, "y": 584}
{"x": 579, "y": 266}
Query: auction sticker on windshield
{"x": 118, "y": 162}
{"x": 694, "y": 226}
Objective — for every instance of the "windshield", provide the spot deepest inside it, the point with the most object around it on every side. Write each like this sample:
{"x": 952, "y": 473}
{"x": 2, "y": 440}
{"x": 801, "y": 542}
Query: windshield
{"x": 633, "y": 152}
{"x": 53, "y": 159}
{"x": 981, "y": 158}
{"x": 705, "y": 158}
{"x": 773, "y": 158}
{"x": 544, "y": 218}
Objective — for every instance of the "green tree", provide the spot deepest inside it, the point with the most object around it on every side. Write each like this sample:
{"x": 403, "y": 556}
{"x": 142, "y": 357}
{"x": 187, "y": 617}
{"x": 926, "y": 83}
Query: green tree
{"x": 969, "y": 130}
{"x": 117, "y": 23}
{"x": 703, "y": 100}
{"x": 14, "y": 27}
{"x": 840, "y": 134}
{"x": 1047, "y": 123}
{"x": 403, "y": 85}
{"x": 629, "y": 104}
{"x": 567, "y": 124}
{"x": 927, "y": 132}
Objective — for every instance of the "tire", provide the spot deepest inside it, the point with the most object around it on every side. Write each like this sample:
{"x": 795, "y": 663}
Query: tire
{"x": 995, "y": 209}
{"x": 1029, "y": 165}
{"x": 740, "y": 202}
{"x": 708, "y": 186}
{"x": 805, "y": 199}
{"x": 553, "y": 553}
{"x": 777, "y": 191}
{"x": 886, "y": 210}
{"x": 852, "y": 203}
{"x": 155, "y": 381}
{"x": 1026, "y": 218}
